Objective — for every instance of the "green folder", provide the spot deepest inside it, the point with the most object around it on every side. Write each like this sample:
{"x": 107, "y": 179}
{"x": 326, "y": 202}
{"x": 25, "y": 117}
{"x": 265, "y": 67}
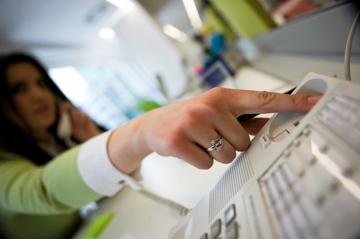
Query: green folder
{"x": 246, "y": 17}
{"x": 97, "y": 226}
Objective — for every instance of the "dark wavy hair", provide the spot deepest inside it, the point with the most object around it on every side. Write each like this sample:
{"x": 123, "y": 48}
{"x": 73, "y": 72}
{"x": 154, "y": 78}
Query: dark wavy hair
{"x": 12, "y": 137}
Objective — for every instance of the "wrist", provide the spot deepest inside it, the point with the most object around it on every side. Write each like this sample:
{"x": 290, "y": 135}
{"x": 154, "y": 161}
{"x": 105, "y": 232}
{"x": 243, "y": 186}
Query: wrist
{"x": 127, "y": 147}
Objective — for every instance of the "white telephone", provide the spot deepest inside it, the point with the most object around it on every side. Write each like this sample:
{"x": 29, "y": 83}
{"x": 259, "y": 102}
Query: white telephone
{"x": 64, "y": 129}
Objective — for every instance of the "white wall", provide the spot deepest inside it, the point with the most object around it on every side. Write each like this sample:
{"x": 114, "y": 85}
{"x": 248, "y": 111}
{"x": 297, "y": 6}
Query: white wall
{"x": 142, "y": 38}
{"x": 173, "y": 12}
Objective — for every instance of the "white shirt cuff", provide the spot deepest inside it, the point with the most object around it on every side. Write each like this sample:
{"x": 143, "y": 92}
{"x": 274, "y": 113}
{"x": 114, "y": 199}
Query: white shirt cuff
{"x": 97, "y": 170}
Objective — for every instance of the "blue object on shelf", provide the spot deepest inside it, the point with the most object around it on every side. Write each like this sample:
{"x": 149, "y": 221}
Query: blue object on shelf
{"x": 217, "y": 43}
{"x": 216, "y": 71}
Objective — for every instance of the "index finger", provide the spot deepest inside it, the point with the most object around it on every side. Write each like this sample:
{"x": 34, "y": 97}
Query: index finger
{"x": 255, "y": 102}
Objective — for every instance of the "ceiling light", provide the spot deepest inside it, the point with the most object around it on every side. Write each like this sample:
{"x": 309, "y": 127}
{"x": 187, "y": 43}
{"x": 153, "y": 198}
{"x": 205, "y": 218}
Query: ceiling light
{"x": 174, "y": 33}
{"x": 107, "y": 33}
{"x": 193, "y": 13}
{"x": 125, "y": 5}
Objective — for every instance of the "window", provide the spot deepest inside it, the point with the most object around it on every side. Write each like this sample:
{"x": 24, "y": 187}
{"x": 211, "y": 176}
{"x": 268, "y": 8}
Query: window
{"x": 110, "y": 93}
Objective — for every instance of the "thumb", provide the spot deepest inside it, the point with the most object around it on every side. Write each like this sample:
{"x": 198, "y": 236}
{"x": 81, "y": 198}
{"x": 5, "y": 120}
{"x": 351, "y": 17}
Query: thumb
{"x": 253, "y": 126}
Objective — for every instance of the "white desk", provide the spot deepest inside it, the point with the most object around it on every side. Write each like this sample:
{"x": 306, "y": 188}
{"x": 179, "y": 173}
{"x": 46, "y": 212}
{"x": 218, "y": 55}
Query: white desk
{"x": 136, "y": 216}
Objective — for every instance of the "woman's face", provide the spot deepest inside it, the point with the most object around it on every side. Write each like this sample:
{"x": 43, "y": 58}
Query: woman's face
{"x": 34, "y": 102}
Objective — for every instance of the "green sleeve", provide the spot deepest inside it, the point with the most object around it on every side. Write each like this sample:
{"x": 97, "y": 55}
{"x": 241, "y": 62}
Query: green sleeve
{"x": 54, "y": 188}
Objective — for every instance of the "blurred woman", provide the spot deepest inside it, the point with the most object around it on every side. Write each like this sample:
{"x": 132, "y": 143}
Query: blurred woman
{"x": 31, "y": 105}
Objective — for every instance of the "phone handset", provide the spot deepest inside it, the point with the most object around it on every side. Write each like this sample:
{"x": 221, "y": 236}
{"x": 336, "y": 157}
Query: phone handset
{"x": 64, "y": 129}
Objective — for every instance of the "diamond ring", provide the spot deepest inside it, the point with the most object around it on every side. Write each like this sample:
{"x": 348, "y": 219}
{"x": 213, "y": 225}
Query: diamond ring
{"x": 216, "y": 144}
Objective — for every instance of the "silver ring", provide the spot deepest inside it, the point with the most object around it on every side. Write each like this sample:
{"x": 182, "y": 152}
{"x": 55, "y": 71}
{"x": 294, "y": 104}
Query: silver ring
{"x": 216, "y": 144}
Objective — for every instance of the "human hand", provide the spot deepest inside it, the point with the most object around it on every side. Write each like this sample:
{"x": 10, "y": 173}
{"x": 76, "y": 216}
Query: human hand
{"x": 82, "y": 127}
{"x": 185, "y": 129}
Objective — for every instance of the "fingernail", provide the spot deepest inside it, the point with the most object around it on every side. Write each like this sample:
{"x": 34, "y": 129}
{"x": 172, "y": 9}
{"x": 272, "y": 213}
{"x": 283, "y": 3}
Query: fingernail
{"x": 313, "y": 99}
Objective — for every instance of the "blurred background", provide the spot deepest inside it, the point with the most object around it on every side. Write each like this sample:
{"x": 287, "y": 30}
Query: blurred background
{"x": 116, "y": 59}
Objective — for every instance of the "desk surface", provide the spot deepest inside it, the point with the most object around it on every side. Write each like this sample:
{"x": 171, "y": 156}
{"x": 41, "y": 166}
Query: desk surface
{"x": 136, "y": 216}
